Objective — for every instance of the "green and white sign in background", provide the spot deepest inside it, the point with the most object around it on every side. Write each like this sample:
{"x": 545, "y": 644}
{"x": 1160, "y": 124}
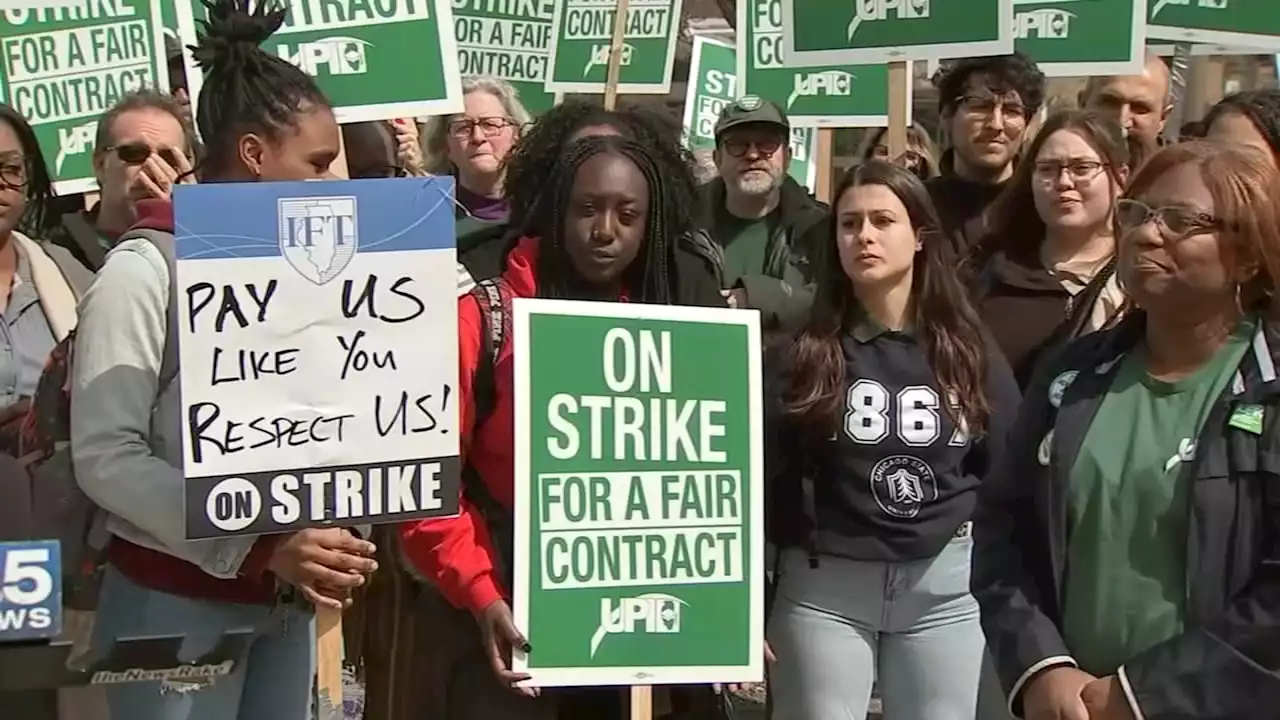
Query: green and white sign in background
{"x": 639, "y": 533}
{"x": 583, "y": 31}
{"x": 373, "y": 60}
{"x": 1240, "y": 23}
{"x": 832, "y": 96}
{"x": 1069, "y": 38}
{"x": 509, "y": 39}
{"x": 823, "y": 32}
{"x": 62, "y": 68}
{"x": 713, "y": 84}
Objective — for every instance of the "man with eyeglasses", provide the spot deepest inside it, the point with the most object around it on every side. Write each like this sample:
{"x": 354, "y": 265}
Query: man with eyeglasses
{"x": 761, "y": 219}
{"x": 141, "y": 151}
{"x": 985, "y": 105}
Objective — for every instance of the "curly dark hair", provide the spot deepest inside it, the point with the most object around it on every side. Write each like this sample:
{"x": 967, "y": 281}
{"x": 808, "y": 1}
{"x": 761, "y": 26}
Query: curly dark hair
{"x": 649, "y": 277}
{"x": 542, "y": 146}
{"x": 1015, "y": 72}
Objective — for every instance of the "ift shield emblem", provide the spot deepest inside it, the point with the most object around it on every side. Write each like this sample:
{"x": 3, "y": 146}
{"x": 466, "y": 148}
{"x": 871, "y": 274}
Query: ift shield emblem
{"x": 651, "y": 614}
{"x": 318, "y": 236}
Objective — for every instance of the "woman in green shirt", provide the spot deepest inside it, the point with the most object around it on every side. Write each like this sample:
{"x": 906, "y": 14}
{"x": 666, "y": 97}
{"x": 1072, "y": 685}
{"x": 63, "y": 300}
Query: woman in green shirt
{"x": 1127, "y": 555}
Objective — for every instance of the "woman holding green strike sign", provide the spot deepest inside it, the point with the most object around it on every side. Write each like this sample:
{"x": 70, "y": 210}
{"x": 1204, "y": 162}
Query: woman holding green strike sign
{"x": 612, "y": 223}
{"x": 894, "y": 404}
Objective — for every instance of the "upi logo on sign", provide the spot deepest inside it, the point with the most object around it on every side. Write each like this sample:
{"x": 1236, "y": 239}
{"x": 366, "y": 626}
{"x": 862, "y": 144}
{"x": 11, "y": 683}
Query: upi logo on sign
{"x": 1204, "y": 4}
{"x": 74, "y": 141}
{"x": 876, "y": 10}
{"x": 318, "y": 235}
{"x": 600, "y": 57}
{"x": 329, "y": 56}
{"x": 651, "y": 613}
{"x": 1043, "y": 24}
{"x": 828, "y": 82}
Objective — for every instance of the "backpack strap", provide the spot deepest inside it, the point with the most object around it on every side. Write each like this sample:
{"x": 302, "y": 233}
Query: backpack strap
{"x": 164, "y": 243}
{"x": 492, "y": 299}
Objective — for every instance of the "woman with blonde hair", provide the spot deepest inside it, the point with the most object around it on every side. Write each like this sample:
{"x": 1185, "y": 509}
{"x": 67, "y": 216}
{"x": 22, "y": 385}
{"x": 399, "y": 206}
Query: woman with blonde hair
{"x": 921, "y": 156}
{"x": 473, "y": 145}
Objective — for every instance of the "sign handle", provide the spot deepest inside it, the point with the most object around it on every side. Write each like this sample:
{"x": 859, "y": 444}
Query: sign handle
{"x": 641, "y": 702}
{"x": 822, "y": 164}
{"x": 899, "y": 98}
{"x": 328, "y": 620}
{"x": 615, "y": 55}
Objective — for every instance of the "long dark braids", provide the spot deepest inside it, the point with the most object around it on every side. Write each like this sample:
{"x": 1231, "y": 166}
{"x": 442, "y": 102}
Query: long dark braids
{"x": 245, "y": 88}
{"x": 648, "y": 279}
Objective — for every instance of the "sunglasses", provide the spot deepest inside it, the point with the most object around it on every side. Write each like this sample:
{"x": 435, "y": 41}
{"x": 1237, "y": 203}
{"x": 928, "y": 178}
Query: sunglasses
{"x": 737, "y": 148}
{"x": 137, "y": 153}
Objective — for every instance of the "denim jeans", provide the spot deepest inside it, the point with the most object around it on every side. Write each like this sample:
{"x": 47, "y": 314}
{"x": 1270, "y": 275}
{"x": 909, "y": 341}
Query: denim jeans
{"x": 273, "y": 680}
{"x": 911, "y": 627}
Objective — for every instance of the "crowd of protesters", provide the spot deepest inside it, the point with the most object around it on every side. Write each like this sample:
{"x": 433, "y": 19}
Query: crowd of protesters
{"x": 1061, "y": 330}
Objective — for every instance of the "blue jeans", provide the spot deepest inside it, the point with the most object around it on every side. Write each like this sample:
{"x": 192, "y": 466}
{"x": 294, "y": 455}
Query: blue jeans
{"x": 273, "y": 680}
{"x": 839, "y": 628}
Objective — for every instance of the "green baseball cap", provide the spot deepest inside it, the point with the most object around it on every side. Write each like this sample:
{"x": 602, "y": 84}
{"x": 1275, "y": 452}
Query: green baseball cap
{"x": 750, "y": 109}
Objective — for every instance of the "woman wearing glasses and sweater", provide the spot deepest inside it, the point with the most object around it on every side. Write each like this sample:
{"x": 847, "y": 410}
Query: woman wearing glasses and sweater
{"x": 1127, "y": 556}
{"x": 473, "y": 146}
{"x": 1045, "y": 273}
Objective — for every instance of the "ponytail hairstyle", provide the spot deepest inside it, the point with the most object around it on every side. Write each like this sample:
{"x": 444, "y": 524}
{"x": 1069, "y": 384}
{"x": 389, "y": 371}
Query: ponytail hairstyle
{"x": 649, "y": 278}
{"x": 246, "y": 89}
{"x": 944, "y": 319}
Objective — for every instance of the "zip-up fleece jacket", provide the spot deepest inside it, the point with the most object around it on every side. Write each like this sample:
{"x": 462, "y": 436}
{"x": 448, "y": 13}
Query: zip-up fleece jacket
{"x": 782, "y": 293}
{"x": 126, "y": 433}
{"x": 1226, "y": 663}
{"x": 459, "y": 554}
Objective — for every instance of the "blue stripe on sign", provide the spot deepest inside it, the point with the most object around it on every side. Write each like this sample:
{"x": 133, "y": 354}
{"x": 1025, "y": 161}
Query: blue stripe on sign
{"x": 246, "y": 220}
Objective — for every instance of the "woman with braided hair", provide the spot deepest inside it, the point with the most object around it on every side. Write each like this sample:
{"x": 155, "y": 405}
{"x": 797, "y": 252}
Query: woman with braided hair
{"x": 612, "y": 221}
{"x": 262, "y": 119}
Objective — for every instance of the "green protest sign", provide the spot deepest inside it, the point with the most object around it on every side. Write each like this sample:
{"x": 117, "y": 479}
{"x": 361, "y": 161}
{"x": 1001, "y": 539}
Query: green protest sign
{"x": 373, "y": 60}
{"x": 1082, "y": 37}
{"x": 63, "y": 67}
{"x": 1240, "y": 23}
{"x": 821, "y": 32}
{"x": 804, "y": 166}
{"x": 832, "y": 95}
{"x": 583, "y": 31}
{"x": 508, "y": 39}
{"x": 712, "y": 85}
{"x": 638, "y": 493}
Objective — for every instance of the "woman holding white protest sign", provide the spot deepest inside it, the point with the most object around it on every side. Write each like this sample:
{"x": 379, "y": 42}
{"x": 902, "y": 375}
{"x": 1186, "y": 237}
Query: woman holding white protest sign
{"x": 262, "y": 119}
{"x": 615, "y": 224}
{"x": 890, "y": 407}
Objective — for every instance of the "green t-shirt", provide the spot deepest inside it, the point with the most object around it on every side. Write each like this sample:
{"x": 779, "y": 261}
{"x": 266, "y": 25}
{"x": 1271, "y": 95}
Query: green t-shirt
{"x": 745, "y": 243}
{"x": 1127, "y": 509}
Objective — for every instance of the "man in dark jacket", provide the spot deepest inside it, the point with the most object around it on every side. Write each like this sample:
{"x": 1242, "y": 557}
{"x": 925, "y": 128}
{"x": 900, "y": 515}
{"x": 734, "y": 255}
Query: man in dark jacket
{"x": 985, "y": 105}
{"x": 763, "y": 224}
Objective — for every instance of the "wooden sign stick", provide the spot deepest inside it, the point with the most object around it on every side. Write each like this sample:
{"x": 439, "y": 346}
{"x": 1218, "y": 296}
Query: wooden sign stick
{"x": 329, "y": 621}
{"x": 615, "y": 56}
{"x": 899, "y": 95}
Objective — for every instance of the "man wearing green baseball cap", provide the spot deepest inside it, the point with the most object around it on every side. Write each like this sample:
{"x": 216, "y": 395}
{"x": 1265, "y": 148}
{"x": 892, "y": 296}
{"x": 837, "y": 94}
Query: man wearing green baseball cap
{"x": 761, "y": 218}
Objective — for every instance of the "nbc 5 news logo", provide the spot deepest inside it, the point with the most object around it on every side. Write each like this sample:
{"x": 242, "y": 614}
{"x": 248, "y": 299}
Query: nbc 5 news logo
{"x": 30, "y": 590}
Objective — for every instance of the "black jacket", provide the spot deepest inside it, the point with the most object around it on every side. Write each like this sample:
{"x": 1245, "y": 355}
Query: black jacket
{"x": 78, "y": 234}
{"x": 961, "y": 204}
{"x": 784, "y": 292}
{"x": 1226, "y": 664}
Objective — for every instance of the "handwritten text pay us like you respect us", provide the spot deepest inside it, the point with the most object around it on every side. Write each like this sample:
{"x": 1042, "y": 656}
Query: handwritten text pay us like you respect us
{"x": 620, "y": 527}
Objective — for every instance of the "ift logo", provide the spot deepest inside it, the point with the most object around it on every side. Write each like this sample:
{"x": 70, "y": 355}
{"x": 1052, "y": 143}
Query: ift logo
{"x": 1042, "y": 24}
{"x": 600, "y": 57}
{"x": 329, "y": 56}
{"x": 1202, "y": 4}
{"x": 876, "y": 10}
{"x": 318, "y": 236}
{"x": 74, "y": 141}
{"x": 651, "y": 614}
{"x": 836, "y": 83}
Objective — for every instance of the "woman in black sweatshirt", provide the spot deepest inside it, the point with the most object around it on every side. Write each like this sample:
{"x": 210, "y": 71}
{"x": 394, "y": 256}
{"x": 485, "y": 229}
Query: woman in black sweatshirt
{"x": 890, "y": 407}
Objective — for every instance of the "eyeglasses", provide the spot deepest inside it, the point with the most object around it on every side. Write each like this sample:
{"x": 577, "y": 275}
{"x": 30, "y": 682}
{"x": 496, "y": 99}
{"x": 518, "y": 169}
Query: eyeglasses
{"x": 985, "y": 106}
{"x": 13, "y": 174}
{"x": 489, "y": 126}
{"x": 1080, "y": 170}
{"x": 137, "y": 153}
{"x": 737, "y": 147}
{"x": 1173, "y": 221}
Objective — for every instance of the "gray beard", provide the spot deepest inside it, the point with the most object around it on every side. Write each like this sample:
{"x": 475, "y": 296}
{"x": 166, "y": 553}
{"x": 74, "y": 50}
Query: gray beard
{"x": 756, "y": 184}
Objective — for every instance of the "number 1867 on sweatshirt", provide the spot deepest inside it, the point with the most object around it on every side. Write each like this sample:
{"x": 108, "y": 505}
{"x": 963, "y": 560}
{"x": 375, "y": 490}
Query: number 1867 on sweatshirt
{"x": 30, "y": 590}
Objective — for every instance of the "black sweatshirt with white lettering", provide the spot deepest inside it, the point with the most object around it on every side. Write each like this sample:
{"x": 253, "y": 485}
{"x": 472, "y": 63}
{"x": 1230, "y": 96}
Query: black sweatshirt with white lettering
{"x": 898, "y": 479}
